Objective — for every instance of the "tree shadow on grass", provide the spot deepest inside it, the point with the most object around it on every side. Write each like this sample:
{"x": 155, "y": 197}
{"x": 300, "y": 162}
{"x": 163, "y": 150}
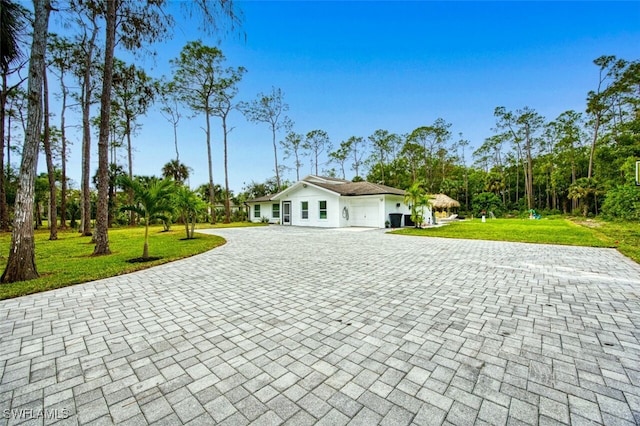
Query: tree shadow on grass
{"x": 143, "y": 259}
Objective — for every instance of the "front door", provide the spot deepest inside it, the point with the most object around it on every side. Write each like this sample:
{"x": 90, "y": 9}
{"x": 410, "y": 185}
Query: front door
{"x": 286, "y": 212}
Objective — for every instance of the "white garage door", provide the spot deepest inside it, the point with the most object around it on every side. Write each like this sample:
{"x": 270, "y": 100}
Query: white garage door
{"x": 365, "y": 213}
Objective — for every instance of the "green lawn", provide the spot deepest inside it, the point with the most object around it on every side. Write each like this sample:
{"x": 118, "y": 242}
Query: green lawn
{"x": 68, "y": 260}
{"x": 623, "y": 236}
{"x": 225, "y": 225}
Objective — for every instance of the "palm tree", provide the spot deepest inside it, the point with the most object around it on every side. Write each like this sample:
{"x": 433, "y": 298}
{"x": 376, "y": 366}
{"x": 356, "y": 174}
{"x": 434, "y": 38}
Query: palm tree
{"x": 152, "y": 200}
{"x": 581, "y": 190}
{"x": 494, "y": 183}
{"x": 190, "y": 206}
{"x": 12, "y": 22}
{"x": 176, "y": 170}
{"x": 417, "y": 198}
{"x": 218, "y": 199}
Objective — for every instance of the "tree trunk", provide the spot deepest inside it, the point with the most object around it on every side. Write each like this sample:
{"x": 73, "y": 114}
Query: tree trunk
{"x": 4, "y": 207}
{"x": 466, "y": 189}
{"x": 211, "y": 188}
{"x": 525, "y": 168}
{"x": 38, "y": 214}
{"x": 382, "y": 167}
{"x": 145, "y": 248}
{"x": 63, "y": 159}
{"x": 86, "y": 138}
{"x": 132, "y": 215}
{"x": 227, "y": 207}
{"x": 21, "y": 264}
{"x": 185, "y": 219}
{"x": 530, "y": 181}
{"x": 427, "y": 178}
{"x": 592, "y": 154}
{"x": 356, "y": 163}
{"x": 112, "y": 204}
{"x": 574, "y": 204}
{"x": 275, "y": 156}
{"x": 102, "y": 211}
{"x": 85, "y": 220}
{"x": 529, "y": 171}
{"x": 53, "y": 205}
{"x": 517, "y": 182}
{"x": 175, "y": 141}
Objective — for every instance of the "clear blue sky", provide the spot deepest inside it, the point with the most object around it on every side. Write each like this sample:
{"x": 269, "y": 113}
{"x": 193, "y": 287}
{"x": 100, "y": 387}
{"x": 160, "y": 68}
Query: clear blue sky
{"x": 350, "y": 68}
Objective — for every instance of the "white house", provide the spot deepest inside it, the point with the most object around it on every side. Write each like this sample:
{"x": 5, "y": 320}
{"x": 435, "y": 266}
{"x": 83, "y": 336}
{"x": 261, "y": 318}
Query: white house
{"x": 332, "y": 203}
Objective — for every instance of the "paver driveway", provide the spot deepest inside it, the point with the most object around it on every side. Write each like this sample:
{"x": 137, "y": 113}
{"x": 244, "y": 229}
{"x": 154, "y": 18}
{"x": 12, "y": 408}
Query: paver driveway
{"x": 303, "y": 326}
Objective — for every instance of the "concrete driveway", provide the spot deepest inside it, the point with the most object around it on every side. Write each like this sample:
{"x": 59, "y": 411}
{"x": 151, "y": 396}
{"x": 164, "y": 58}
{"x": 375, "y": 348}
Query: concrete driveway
{"x": 305, "y": 326}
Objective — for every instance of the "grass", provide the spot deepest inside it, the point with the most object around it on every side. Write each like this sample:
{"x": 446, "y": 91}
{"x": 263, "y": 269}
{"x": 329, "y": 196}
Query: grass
{"x": 624, "y": 236}
{"x": 225, "y": 225}
{"x": 544, "y": 231}
{"x": 68, "y": 260}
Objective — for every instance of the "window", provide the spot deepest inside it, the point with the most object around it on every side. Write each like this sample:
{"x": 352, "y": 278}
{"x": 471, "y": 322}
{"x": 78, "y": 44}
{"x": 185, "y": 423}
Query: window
{"x": 256, "y": 211}
{"x": 305, "y": 209}
{"x": 275, "y": 211}
{"x": 323, "y": 209}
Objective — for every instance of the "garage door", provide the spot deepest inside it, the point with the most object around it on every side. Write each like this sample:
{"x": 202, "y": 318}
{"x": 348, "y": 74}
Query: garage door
{"x": 365, "y": 213}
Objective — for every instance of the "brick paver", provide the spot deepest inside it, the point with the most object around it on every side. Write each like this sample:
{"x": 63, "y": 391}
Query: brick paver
{"x": 302, "y": 326}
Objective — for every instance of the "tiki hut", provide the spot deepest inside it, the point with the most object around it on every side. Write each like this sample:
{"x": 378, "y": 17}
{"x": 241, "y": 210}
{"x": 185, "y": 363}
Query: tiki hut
{"x": 443, "y": 204}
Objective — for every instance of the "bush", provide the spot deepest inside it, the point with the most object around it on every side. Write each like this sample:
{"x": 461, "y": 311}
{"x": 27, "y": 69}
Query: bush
{"x": 577, "y": 212}
{"x": 238, "y": 216}
{"x": 551, "y": 212}
{"x": 488, "y": 202}
{"x": 622, "y": 203}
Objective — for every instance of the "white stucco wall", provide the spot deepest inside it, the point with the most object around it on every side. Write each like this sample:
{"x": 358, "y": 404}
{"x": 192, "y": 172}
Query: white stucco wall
{"x": 404, "y": 209}
{"x": 377, "y": 208}
{"x": 313, "y": 196}
{"x": 343, "y": 204}
{"x": 266, "y": 210}
{"x": 390, "y": 206}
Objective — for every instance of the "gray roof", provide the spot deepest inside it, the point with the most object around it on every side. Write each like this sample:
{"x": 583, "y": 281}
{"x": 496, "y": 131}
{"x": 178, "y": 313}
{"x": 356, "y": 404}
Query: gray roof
{"x": 359, "y": 188}
{"x": 262, "y": 199}
{"x": 340, "y": 186}
{"x": 313, "y": 178}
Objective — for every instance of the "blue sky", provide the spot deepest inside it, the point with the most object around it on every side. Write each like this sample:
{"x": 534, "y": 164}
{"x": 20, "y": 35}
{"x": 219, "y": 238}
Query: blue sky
{"x": 350, "y": 68}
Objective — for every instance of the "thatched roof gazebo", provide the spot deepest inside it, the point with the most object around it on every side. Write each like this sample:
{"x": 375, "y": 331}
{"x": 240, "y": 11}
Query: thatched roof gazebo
{"x": 442, "y": 202}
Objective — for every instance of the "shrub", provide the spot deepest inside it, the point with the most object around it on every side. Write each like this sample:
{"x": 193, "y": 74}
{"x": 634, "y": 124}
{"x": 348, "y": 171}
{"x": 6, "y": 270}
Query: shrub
{"x": 488, "y": 202}
{"x": 623, "y": 203}
{"x": 238, "y": 216}
{"x": 551, "y": 212}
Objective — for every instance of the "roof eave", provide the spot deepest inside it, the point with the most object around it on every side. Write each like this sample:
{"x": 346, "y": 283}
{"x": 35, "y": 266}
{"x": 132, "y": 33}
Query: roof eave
{"x": 280, "y": 195}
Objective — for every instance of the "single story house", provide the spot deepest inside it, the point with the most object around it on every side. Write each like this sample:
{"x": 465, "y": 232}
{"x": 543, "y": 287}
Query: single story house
{"x": 331, "y": 203}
